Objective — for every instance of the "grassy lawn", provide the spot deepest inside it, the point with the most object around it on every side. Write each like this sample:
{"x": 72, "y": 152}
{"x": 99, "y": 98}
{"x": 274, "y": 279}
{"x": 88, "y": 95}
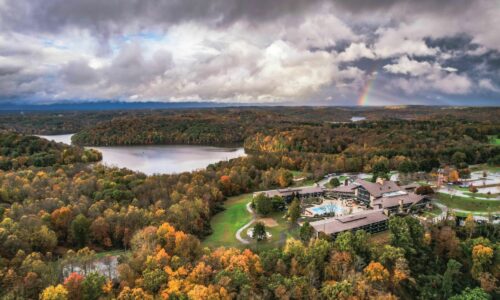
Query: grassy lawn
{"x": 227, "y": 222}
{"x": 489, "y": 196}
{"x": 468, "y": 204}
{"x": 463, "y": 189}
{"x": 304, "y": 182}
{"x": 300, "y": 174}
{"x": 485, "y": 167}
{"x": 495, "y": 140}
{"x": 434, "y": 212}
{"x": 112, "y": 253}
{"x": 380, "y": 239}
{"x": 341, "y": 180}
{"x": 279, "y": 234}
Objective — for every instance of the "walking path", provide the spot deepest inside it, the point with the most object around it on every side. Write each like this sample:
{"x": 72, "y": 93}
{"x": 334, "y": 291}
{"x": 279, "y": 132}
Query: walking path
{"x": 238, "y": 233}
{"x": 442, "y": 215}
{"x": 445, "y": 208}
{"x": 455, "y": 192}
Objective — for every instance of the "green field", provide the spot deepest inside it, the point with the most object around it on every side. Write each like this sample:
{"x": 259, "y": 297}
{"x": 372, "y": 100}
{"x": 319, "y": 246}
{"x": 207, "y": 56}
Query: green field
{"x": 300, "y": 174}
{"x": 226, "y": 223}
{"x": 484, "y": 167}
{"x": 434, "y": 212}
{"x": 495, "y": 140}
{"x": 112, "y": 253}
{"x": 469, "y": 204}
{"x": 279, "y": 234}
{"x": 474, "y": 195}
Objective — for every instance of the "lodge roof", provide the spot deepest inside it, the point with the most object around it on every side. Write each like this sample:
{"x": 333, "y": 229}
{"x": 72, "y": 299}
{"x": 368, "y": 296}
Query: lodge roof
{"x": 349, "y": 222}
{"x": 291, "y": 191}
{"x": 345, "y": 188}
{"x": 376, "y": 189}
{"x": 410, "y": 198}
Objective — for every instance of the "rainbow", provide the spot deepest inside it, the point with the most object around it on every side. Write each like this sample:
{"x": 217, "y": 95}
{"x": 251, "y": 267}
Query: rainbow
{"x": 363, "y": 98}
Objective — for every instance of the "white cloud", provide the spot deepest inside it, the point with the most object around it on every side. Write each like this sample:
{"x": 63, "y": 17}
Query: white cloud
{"x": 356, "y": 51}
{"x": 487, "y": 84}
{"x": 407, "y": 66}
{"x": 319, "y": 31}
{"x": 451, "y": 83}
{"x": 239, "y": 54}
{"x": 394, "y": 42}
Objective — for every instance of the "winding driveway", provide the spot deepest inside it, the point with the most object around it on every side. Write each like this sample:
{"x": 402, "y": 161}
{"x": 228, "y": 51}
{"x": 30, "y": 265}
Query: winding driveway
{"x": 238, "y": 233}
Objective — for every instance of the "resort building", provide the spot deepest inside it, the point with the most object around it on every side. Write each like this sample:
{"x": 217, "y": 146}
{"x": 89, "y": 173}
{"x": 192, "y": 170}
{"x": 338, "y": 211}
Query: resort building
{"x": 387, "y": 195}
{"x": 345, "y": 191}
{"x": 372, "y": 221}
{"x": 289, "y": 194}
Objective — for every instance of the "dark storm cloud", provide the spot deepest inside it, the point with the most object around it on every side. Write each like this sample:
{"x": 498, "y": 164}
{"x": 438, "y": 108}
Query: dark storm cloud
{"x": 249, "y": 49}
{"x": 110, "y": 15}
{"x": 79, "y": 73}
{"x": 104, "y": 17}
{"x": 409, "y": 6}
{"x": 9, "y": 70}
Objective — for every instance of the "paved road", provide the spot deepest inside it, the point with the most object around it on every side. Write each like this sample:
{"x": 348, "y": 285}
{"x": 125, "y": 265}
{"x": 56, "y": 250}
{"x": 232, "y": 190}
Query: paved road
{"x": 238, "y": 233}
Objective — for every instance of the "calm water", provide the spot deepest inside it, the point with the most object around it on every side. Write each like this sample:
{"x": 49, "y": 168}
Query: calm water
{"x": 159, "y": 159}
{"x": 357, "y": 119}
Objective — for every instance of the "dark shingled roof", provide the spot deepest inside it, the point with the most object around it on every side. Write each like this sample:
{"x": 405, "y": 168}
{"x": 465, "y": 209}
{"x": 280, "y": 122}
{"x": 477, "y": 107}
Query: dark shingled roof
{"x": 340, "y": 224}
{"x": 290, "y": 191}
{"x": 345, "y": 188}
{"x": 375, "y": 189}
{"x": 410, "y": 198}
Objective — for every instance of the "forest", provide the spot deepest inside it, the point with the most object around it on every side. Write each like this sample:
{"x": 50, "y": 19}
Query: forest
{"x": 59, "y": 122}
{"x": 421, "y": 142}
{"x": 17, "y": 151}
{"x": 59, "y": 211}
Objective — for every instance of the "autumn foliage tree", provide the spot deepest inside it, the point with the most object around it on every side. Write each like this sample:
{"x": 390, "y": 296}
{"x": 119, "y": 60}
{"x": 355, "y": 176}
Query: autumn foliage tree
{"x": 55, "y": 293}
{"x": 73, "y": 284}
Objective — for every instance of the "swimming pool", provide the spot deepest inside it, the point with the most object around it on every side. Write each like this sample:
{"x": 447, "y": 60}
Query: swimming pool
{"x": 326, "y": 209}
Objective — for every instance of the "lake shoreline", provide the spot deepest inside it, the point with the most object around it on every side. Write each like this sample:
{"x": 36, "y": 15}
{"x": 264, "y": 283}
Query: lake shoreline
{"x": 159, "y": 159}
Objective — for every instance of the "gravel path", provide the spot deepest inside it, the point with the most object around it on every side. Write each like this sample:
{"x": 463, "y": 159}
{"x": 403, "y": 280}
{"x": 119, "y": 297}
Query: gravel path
{"x": 238, "y": 233}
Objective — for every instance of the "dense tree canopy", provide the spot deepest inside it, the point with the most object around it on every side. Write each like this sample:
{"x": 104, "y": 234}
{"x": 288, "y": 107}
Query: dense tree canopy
{"x": 57, "y": 211}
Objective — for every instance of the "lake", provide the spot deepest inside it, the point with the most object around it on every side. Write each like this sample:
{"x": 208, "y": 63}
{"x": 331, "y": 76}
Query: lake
{"x": 357, "y": 119}
{"x": 159, "y": 159}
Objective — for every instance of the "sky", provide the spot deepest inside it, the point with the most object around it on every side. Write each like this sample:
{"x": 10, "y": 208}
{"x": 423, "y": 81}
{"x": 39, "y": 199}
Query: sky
{"x": 298, "y": 52}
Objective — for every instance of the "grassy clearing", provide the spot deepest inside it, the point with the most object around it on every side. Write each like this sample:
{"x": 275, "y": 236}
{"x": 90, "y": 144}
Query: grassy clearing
{"x": 226, "y": 223}
{"x": 474, "y": 195}
{"x": 300, "y": 174}
{"x": 469, "y": 204}
{"x": 380, "y": 238}
{"x": 494, "y": 140}
{"x": 485, "y": 167}
{"x": 112, "y": 253}
{"x": 304, "y": 182}
{"x": 434, "y": 212}
{"x": 279, "y": 234}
